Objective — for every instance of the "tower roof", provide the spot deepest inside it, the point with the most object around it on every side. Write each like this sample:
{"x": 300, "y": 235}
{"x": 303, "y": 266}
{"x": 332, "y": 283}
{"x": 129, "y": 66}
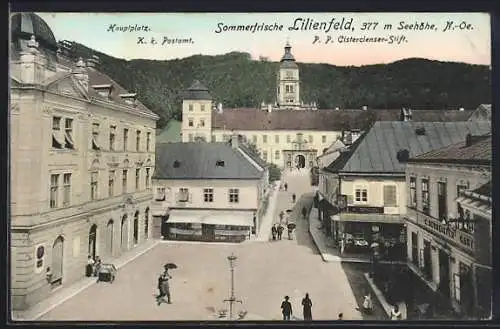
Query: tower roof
{"x": 197, "y": 91}
{"x": 24, "y": 25}
{"x": 288, "y": 60}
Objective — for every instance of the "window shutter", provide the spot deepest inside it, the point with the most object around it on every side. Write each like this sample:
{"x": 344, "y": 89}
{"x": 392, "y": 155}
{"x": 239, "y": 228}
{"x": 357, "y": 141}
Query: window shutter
{"x": 389, "y": 195}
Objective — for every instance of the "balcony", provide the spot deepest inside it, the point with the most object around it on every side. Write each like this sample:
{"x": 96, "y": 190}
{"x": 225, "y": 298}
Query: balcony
{"x": 456, "y": 237}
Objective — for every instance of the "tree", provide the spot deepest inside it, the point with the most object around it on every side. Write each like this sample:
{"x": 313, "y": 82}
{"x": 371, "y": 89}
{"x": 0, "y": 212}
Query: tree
{"x": 274, "y": 172}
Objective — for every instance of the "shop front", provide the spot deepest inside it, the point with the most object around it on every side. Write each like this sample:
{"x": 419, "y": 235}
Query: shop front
{"x": 361, "y": 229}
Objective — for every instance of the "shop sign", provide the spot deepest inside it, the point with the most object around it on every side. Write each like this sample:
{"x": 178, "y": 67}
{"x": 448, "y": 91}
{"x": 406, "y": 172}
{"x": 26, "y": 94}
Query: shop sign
{"x": 365, "y": 210}
{"x": 453, "y": 234}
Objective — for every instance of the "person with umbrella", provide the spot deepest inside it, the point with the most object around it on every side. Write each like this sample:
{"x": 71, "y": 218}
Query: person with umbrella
{"x": 280, "y": 231}
{"x": 163, "y": 284}
{"x": 290, "y": 227}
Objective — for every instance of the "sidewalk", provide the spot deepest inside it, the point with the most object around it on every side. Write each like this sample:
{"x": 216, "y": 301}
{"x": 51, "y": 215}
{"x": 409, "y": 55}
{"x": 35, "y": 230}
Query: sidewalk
{"x": 267, "y": 219}
{"x": 326, "y": 249}
{"x": 383, "y": 301}
{"x": 65, "y": 293}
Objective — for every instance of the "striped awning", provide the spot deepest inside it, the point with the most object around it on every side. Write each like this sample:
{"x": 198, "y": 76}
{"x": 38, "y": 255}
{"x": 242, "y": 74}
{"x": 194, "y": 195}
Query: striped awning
{"x": 236, "y": 218}
{"x": 369, "y": 218}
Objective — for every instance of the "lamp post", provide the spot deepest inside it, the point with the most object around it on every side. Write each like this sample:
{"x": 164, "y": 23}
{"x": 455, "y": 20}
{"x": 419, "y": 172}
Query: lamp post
{"x": 232, "y": 298}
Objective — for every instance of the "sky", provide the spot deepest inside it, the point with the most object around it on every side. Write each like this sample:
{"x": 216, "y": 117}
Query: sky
{"x": 469, "y": 41}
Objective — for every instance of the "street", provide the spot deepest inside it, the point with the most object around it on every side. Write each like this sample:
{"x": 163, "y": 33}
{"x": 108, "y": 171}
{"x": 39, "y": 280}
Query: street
{"x": 265, "y": 272}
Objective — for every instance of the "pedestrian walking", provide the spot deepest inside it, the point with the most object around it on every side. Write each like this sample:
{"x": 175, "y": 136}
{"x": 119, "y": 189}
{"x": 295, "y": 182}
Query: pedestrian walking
{"x": 89, "y": 269}
{"x": 290, "y": 231}
{"x": 293, "y": 198}
{"x": 304, "y": 212}
{"x": 341, "y": 316}
{"x": 286, "y": 187}
{"x": 97, "y": 266}
{"x": 367, "y": 303}
{"x": 395, "y": 313}
{"x": 306, "y": 306}
{"x": 164, "y": 288}
{"x": 274, "y": 231}
{"x": 286, "y": 308}
{"x": 282, "y": 215}
{"x": 280, "y": 231}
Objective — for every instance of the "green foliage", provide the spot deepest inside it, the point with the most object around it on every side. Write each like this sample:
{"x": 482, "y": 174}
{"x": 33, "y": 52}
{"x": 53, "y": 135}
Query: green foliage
{"x": 274, "y": 172}
{"x": 235, "y": 80}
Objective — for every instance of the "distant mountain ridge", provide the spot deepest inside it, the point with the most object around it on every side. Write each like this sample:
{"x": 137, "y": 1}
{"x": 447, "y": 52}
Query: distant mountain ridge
{"x": 235, "y": 80}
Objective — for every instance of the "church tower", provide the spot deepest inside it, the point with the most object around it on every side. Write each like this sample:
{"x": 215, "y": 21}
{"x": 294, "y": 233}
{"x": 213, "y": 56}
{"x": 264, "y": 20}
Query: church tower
{"x": 288, "y": 81}
{"x": 197, "y": 113}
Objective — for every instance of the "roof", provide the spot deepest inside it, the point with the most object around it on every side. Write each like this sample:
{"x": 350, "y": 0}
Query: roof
{"x": 197, "y": 91}
{"x": 484, "y": 190}
{"x": 322, "y": 120}
{"x": 198, "y": 161}
{"x": 24, "y": 25}
{"x": 171, "y": 133}
{"x": 478, "y": 151}
{"x": 254, "y": 156}
{"x": 376, "y": 150}
{"x": 483, "y": 112}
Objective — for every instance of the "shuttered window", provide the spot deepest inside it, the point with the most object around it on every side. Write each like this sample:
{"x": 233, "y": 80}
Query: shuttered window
{"x": 390, "y": 199}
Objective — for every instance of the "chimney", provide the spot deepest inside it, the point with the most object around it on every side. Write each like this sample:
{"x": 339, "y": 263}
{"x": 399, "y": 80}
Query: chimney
{"x": 235, "y": 140}
{"x": 81, "y": 74}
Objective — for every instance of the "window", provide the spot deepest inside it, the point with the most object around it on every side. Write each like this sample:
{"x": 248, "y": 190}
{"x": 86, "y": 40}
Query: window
{"x": 311, "y": 138}
{"x": 147, "y": 177}
{"x": 254, "y": 139}
{"x": 219, "y": 163}
{"x": 137, "y": 178}
{"x": 277, "y": 155}
{"x": 425, "y": 196}
{"x": 190, "y": 137}
{"x": 148, "y": 141}
{"x": 323, "y": 139}
{"x": 93, "y": 185}
{"x": 202, "y": 123}
{"x": 66, "y": 190}
{"x": 264, "y": 138}
{"x": 190, "y": 107}
{"x": 138, "y": 141}
{"x": 413, "y": 193}
{"x": 361, "y": 195}
{"x": 288, "y": 138}
{"x": 68, "y": 134}
{"x": 190, "y": 123}
{"x": 289, "y": 88}
{"x": 442, "y": 202}
{"x": 277, "y": 139}
{"x": 202, "y": 107}
{"x": 112, "y": 132}
{"x": 208, "y": 195}
{"x": 390, "y": 197}
{"x": 54, "y": 190}
{"x": 124, "y": 180}
{"x": 95, "y": 137}
{"x": 160, "y": 194}
{"x": 264, "y": 155}
{"x": 125, "y": 139}
{"x": 183, "y": 195}
{"x": 234, "y": 195}
{"x": 56, "y": 128}
{"x": 111, "y": 183}
{"x": 289, "y": 75}
{"x": 414, "y": 248}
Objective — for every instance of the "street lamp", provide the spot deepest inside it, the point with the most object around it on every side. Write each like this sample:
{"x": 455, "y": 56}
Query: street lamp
{"x": 232, "y": 298}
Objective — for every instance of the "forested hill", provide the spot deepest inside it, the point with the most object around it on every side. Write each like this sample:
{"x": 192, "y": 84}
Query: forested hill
{"x": 235, "y": 80}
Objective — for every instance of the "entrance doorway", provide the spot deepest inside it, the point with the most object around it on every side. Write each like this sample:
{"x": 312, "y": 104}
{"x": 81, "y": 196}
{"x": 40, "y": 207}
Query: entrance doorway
{"x": 146, "y": 224}
{"x": 57, "y": 261}
{"x": 136, "y": 227}
{"x": 92, "y": 241}
{"x": 109, "y": 237}
{"x": 124, "y": 233}
{"x": 300, "y": 161}
{"x": 444, "y": 273}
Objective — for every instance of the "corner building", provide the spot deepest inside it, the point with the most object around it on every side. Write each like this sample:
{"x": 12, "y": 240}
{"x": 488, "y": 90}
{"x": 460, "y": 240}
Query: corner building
{"x": 82, "y": 157}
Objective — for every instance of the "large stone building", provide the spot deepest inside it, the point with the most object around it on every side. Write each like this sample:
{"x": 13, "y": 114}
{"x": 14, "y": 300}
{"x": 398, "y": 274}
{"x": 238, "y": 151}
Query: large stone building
{"x": 289, "y": 133}
{"x": 449, "y": 223}
{"x": 209, "y": 191}
{"x": 82, "y": 156}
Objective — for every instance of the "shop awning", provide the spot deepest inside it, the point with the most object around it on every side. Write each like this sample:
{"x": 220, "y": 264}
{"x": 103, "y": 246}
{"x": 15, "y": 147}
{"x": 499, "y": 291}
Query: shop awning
{"x": 211, "y": 217}
{"x": 369, "y": 218}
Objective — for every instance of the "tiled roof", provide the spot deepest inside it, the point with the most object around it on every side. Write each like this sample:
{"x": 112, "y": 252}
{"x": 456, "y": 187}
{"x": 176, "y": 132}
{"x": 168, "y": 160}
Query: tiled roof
{"x": 197, "y": 91}
{"x": 198, "y": 160}
{"x": 479, "y": 150}
{"x": 322, "y": 120}
{"x": 376, "y": 150}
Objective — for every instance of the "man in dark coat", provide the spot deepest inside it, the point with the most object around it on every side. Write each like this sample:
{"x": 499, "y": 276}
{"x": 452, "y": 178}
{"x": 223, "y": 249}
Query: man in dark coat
{"x": 294, "y": 197}
{"x": 286, "y": 187}
{"x": 304, "y": 212}
{"x": 164, "y": 288}
{"x": 286, "y": 308}
{"x": 307, "y": 306}
{"x": 280, "y": 231}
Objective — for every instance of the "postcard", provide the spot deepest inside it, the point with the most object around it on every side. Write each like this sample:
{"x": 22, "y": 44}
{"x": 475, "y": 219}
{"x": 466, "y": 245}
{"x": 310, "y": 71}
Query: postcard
{"x": 250, "y": 166}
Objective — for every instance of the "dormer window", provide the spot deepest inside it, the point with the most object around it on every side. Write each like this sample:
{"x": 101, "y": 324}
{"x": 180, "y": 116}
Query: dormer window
{"x": 177, "y": 164}
{"x": 420, "y": 131}
{"x": 103, "y": 90}
{"x": 130, "y": 99}
{"x": 219, "y": 163}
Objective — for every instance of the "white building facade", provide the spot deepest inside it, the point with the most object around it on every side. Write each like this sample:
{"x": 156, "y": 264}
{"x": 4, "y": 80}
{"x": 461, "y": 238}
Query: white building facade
{"x": 82, "y": 157}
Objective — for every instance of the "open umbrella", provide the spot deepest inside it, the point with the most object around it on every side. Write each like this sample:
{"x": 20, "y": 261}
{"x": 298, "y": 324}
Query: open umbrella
{"x": 169, "y": 266}
{"x": 291, "y": 226}
{"x": 288, "y": 211}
